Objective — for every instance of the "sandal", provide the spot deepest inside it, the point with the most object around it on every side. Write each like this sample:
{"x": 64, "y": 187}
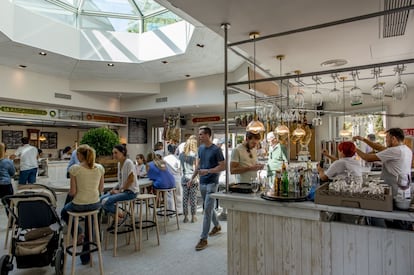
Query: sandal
{"x": 81, "y": 237}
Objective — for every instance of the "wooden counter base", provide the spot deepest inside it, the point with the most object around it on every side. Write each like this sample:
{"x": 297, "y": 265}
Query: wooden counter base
{"x": 266, "y": 237}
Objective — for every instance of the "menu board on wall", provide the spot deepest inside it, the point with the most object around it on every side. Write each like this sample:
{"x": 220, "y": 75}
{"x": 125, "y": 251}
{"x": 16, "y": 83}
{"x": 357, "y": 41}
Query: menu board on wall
{"x": 137, "y": 130}
{"x": 12, "y": 139}
{"x": 50, "y": 142}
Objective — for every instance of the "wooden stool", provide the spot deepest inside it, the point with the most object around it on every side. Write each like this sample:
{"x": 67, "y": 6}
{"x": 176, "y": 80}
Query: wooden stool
{"x": 128, "y": 207}
{"x": 162, "y": 193}
{"x": 71, "y": 249}
{"x": 141, "y": 199}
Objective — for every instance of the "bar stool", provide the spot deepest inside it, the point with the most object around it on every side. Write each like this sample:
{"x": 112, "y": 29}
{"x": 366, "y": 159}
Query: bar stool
{"x": 145, "y": 224}
{"x": 71, "y": 249}
{"x": 162, "y": 193}
{"x": 128, "y": 207}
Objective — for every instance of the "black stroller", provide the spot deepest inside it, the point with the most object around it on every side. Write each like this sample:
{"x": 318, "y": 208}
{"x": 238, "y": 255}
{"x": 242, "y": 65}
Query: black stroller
{"x": 36, "y": 238}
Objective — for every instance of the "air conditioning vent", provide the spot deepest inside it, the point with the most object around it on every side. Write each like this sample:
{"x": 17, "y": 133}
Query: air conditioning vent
{"x": 395, "y": 23}
{"x": 64, "y": 96}
{"x": 161, "y": 99}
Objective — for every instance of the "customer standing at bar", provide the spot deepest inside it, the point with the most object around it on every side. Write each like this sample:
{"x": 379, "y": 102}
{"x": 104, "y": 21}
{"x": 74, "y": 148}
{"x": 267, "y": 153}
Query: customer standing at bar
{"x": 277, "y": 154}
{"x": 396, "y": 158}
{"x": 244, "y": 158}
{"x": 188, "y": 159}
{"x": 28, "y": 162}
{"x": 210, "y": 164}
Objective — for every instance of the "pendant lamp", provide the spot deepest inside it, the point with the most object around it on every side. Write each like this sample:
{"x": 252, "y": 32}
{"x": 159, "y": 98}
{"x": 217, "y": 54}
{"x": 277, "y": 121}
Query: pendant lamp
{"x": 42, "y": 136}
{"x": 255, "y": 126}
{"x": 281, "y": 129}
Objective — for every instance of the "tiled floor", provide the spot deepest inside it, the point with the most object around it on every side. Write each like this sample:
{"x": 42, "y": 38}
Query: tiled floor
{"x": 175, "y": 255}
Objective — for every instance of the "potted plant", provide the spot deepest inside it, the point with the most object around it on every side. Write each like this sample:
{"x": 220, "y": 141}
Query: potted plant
{"x": 103, "y": 141}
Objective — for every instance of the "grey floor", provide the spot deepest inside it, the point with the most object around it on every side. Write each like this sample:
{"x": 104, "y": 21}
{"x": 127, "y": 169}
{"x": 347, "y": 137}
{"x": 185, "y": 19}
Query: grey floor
{"x": 175, "y": 255}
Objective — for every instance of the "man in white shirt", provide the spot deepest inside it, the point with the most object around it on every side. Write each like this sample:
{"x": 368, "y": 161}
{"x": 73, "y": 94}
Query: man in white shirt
{"x": 396, "y": 158}
{"x": 28, "y": 155}
{"x": 174, "y": 166}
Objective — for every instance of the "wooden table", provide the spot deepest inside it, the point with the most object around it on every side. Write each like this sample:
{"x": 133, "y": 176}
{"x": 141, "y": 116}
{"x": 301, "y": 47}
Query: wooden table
{"x": 65, "y": 186}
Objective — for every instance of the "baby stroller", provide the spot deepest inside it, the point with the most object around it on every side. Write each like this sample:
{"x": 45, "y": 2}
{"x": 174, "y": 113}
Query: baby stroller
{"x": 36, "y": 238}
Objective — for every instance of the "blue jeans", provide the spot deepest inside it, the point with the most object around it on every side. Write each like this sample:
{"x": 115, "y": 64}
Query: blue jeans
{"x": 71, "y": 207}
{"x": 28, "y": 176}
{"x": 209, "y": 212}
{"x": 108, "y": 200}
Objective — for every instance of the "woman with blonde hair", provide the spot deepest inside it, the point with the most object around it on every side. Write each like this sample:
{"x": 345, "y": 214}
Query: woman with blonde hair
{"x": 86, "y": 184}
{"x": 7, "y": 171}
{"x": 188, "y": 159}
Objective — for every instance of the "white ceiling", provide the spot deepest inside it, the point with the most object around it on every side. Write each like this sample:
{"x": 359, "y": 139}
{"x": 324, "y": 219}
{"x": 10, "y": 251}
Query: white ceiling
{"x": 360, "y": 43}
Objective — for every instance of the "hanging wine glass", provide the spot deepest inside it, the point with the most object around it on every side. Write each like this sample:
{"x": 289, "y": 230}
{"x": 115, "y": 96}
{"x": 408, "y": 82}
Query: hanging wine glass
{"x": 299, "y": 100}
{"x": 335, "y": 94}
{"x": 377, "y": 91}
{"x": 355, "y": 93}
{"x": 317, "y": 98}
{"x": 399, "y": 91}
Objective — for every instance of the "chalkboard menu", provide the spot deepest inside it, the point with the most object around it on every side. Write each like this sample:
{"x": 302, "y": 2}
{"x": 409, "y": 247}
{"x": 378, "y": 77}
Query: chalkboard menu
{"x": 137, "y": 130}
{"x": 12, "y": 139}
{"x": 50, "y": 142}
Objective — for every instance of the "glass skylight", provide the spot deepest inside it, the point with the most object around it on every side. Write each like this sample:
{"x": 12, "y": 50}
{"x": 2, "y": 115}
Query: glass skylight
{"x": 110, "y": 15}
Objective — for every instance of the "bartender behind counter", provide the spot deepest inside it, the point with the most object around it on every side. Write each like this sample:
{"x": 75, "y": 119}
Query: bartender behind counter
{"x": 396, "y": 158}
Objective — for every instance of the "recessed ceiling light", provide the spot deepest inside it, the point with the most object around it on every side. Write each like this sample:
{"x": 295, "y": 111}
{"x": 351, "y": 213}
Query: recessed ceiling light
{"x": 42, "y": 53}
{"x": 187, "y": 75}
{"x": 164, "y": 62}
{"x": 200, "y": 45}
{"x": 111, "y": 64}
{"x": 22, "y": 66}
{"x": 334, "y": 63}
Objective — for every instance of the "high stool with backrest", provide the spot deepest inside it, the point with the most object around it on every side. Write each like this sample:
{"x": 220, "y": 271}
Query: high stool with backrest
{"x": 128, "y": 207}
{"x": 163, "y": 211}
{"x": 71, "y": 249}
{"x": 145, "y": 224}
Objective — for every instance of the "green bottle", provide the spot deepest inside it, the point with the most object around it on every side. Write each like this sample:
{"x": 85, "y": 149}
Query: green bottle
{"x": 285, "y": 181}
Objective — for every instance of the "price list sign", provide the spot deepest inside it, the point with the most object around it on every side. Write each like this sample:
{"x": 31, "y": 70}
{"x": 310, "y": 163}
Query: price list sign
{"x": 137, "y": 130}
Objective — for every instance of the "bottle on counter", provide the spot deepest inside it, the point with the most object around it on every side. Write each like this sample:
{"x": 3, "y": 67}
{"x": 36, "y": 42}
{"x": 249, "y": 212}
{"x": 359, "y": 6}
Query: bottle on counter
{"x": 278, "y": 182}
{"x": 285, "y": 181}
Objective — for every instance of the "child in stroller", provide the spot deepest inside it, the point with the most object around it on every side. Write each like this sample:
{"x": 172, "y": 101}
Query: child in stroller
{"x": 37, "y": 238}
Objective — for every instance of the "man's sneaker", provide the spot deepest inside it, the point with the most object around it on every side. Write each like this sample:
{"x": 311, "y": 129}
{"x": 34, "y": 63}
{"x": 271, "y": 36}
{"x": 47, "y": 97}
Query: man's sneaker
{"x": 201, "y": 244}
{"x": 215, "y": 230}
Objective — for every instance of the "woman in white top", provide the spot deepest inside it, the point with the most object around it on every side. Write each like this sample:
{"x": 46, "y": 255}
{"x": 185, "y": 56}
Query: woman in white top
{"x": 86, "y": 184}
{"x": 346, "y": 163}
{"x": 127, "y": 187}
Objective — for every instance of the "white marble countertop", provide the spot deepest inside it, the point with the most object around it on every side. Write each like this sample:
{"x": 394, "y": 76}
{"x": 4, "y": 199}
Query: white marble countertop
{"x": 307, "y": 209}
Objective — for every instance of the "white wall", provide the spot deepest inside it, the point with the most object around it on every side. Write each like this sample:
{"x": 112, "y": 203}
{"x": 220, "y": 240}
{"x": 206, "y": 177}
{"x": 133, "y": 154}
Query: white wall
{"x": 23, "y": 85}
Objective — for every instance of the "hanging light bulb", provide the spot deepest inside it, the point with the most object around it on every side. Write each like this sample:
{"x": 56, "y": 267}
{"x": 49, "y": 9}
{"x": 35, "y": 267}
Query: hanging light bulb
{"x": 356, "y": 93}
{"x": 255, "y": 126}
{"x": 281, "y": 129}
{"x": 344, "y": 132}
{"x": 42, "y": 136}
{"x": 334, "y": 94}
{"x": 399, "y": 91}
{"x": 377, "y": 91}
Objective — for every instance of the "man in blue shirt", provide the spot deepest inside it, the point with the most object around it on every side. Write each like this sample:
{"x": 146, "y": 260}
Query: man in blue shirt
{"x": 210, "y": 164}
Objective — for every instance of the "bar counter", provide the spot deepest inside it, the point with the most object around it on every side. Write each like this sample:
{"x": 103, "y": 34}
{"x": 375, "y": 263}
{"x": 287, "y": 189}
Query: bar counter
{"x": 268, "y": 237}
